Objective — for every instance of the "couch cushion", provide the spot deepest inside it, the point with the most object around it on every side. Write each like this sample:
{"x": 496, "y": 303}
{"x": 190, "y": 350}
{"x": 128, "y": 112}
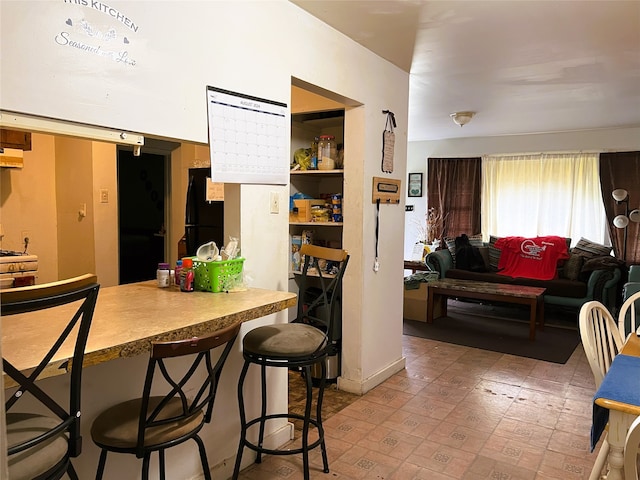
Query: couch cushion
{"x": 494, "y": 254}
{"x": 590, "y": 249}
{"x": 560, "y": 287}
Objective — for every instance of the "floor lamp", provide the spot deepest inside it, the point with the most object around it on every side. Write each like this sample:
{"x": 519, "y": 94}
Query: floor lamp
{"x": 620, "y": 195}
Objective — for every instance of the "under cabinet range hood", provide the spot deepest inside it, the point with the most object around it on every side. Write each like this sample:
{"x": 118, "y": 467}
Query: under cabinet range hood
{"x": 17, "y": 269}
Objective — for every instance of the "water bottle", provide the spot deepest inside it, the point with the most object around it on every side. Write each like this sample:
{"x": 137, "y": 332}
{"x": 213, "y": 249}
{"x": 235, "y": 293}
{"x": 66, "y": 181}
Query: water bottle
{"x": 177, "y": 271}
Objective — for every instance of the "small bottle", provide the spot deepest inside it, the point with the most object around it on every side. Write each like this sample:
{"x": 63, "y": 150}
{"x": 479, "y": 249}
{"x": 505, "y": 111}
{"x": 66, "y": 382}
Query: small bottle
{"x": 187, "y": 275}
{"x": 162, "y": 275}
{"x": 177, "y": 272}
{"x": 314, "y": 154}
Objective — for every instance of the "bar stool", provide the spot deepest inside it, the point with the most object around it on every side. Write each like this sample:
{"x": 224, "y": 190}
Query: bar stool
{"x": 301, "y": 344}
{"x": 43, "y": 429}
{"x": 177, "y": 401}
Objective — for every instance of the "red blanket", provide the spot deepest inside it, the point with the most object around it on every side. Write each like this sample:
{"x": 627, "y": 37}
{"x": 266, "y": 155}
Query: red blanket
{"x": 531, "y": 257}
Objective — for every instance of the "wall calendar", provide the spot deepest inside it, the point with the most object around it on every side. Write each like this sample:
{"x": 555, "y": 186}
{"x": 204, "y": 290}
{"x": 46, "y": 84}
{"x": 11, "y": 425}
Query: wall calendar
{"x": 247, "y": 138}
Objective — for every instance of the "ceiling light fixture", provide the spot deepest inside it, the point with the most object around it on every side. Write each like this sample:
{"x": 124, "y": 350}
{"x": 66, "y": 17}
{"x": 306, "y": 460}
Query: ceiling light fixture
{"x": 462, "y": 118}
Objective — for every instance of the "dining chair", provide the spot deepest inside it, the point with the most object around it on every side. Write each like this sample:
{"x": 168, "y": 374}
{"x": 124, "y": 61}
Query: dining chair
{"x": 302, "y": 344}
{"x": 601, "y": 341}
{"x": 631, "y": 449}
{"x": 629, "y": 315}
{"x": 41, "y": 443}
{"x": 187, "y": 373}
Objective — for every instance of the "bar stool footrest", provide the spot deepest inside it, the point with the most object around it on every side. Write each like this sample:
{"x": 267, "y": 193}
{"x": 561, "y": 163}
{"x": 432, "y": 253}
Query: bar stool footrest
{"x": 268, "y": 451}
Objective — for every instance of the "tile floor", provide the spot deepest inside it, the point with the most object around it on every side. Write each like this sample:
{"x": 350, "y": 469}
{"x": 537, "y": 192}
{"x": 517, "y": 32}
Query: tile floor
{"x": 458, "y": 413}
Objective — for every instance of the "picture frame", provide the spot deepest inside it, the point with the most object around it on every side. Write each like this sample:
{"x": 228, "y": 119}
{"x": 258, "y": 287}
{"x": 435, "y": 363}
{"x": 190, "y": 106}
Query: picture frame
{"x": 415, "y": 184}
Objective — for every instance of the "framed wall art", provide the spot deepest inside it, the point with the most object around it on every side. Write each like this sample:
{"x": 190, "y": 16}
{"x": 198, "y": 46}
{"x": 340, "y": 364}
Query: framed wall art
{"x": 415, "y": 184}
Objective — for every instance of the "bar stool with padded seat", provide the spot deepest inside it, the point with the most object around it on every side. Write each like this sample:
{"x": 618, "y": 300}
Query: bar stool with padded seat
{"x": 156, "y": 422}
{"x": 301, "y": 344}
{"x": 42, "y": 441}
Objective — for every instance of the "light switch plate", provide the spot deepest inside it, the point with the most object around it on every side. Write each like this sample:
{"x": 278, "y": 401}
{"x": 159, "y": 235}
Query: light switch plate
{"x": 274, "y": 202}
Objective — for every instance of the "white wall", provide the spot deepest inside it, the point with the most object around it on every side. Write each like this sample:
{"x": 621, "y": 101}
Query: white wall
{"x": 605, "y": 140}
{"x": 253, "y": 48}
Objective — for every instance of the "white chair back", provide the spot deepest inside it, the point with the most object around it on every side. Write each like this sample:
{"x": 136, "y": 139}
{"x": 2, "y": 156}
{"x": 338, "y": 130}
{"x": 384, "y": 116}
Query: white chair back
{"x": 630, "y": 309}
{"x": 600, "y": 336}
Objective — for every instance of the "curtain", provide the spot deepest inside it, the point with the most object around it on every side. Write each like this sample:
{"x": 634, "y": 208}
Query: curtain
{"x": 543, "y": 194}
{"x": 453, "y": 189}
{"x": 622, "y": 170}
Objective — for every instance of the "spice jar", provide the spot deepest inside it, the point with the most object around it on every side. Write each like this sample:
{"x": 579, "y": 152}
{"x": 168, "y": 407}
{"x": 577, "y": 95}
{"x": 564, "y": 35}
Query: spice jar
{"x": 327, "y": 152}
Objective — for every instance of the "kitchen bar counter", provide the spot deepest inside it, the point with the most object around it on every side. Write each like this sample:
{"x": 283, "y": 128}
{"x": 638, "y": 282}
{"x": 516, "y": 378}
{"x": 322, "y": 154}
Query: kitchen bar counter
{"x": 129, "y": 317}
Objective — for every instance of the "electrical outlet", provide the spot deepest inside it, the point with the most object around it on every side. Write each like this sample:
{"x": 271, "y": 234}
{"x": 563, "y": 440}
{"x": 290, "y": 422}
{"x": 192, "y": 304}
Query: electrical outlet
{"x": 104, "y": 195}
{"x": 274, "y": 202}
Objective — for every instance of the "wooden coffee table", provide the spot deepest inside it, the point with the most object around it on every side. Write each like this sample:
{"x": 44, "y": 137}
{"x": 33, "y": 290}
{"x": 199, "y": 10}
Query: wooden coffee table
{"x": 439, "y": 291}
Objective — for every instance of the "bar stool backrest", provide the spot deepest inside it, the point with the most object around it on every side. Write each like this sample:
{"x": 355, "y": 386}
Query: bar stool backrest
{"x": 320, "y": 289}
{"x": 194, "y": 384}
{"x": 83, "y": 292}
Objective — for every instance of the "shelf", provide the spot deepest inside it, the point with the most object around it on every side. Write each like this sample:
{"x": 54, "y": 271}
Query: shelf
{"x": 317, "y": 172}
{"x": 317, "y": 224}
{"x": 313, "y": 274}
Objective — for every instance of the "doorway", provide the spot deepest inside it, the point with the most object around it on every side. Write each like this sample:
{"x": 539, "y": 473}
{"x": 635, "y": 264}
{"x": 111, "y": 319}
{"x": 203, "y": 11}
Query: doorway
{"x": 142, "y": 187}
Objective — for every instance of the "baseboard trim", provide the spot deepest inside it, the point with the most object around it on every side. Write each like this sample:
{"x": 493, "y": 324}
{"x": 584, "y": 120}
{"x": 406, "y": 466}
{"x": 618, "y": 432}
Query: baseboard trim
{"x": 361, "y": 387}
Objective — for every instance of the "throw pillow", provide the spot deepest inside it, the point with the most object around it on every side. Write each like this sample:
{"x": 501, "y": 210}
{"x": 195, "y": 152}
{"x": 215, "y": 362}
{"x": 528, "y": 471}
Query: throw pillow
{"x": 451, "y": 246}
{"x": 474, "y": 240}
{"x": 590, "y": 249}
{"x": 572, "y": 267}
{"x": 484, "y": 251}
{"x": 494, "y": 254}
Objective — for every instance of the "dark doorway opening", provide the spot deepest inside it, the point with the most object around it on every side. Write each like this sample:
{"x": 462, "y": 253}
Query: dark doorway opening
{"x": 141, "y": 214}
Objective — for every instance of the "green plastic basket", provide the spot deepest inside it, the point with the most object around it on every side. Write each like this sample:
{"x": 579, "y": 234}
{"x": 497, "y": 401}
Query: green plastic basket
{"x": 218, "y": 276}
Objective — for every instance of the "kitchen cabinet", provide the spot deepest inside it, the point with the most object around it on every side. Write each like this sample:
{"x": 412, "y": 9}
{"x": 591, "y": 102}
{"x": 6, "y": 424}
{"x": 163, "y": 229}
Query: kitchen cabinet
{"x": 15, "y": 139}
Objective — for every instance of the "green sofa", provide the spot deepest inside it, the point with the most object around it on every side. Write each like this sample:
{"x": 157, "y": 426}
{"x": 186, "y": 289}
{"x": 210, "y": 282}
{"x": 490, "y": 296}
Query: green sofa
{"x": 599, "y": 284}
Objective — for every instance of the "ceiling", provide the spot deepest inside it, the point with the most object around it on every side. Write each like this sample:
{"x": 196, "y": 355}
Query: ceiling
{"x": 522, "y": 66}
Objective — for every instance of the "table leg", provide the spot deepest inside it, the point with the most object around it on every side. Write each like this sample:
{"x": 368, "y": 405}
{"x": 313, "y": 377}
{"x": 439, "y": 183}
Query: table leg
{"x": 533, "y": 319}
{"x": 619, "y": 424}
{"x": 436, "y": 305}
{"x": 541, "y": 312}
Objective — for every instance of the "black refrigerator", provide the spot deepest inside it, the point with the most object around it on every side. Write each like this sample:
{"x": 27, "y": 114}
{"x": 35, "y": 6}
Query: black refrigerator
{"x": 204, "y": 220}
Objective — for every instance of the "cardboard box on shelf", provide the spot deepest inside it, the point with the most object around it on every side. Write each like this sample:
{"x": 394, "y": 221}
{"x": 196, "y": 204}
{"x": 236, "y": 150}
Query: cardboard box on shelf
{"x": 296, "y": 258}
{"x": 304, "y": 208}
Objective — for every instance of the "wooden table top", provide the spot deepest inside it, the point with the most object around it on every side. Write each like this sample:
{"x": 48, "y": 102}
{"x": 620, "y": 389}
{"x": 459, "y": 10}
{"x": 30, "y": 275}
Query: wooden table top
{"x": 415, "y": 265}
{"x": 129, "y": 317}
{"x": 501, "y": 289}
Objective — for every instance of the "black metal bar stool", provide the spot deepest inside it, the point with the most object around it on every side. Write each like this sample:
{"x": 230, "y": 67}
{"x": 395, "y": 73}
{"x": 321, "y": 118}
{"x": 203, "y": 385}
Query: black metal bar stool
{"x": 300, "y": 344}
{"x": 43, "y": 436}
{"x": 177, "y": 401}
